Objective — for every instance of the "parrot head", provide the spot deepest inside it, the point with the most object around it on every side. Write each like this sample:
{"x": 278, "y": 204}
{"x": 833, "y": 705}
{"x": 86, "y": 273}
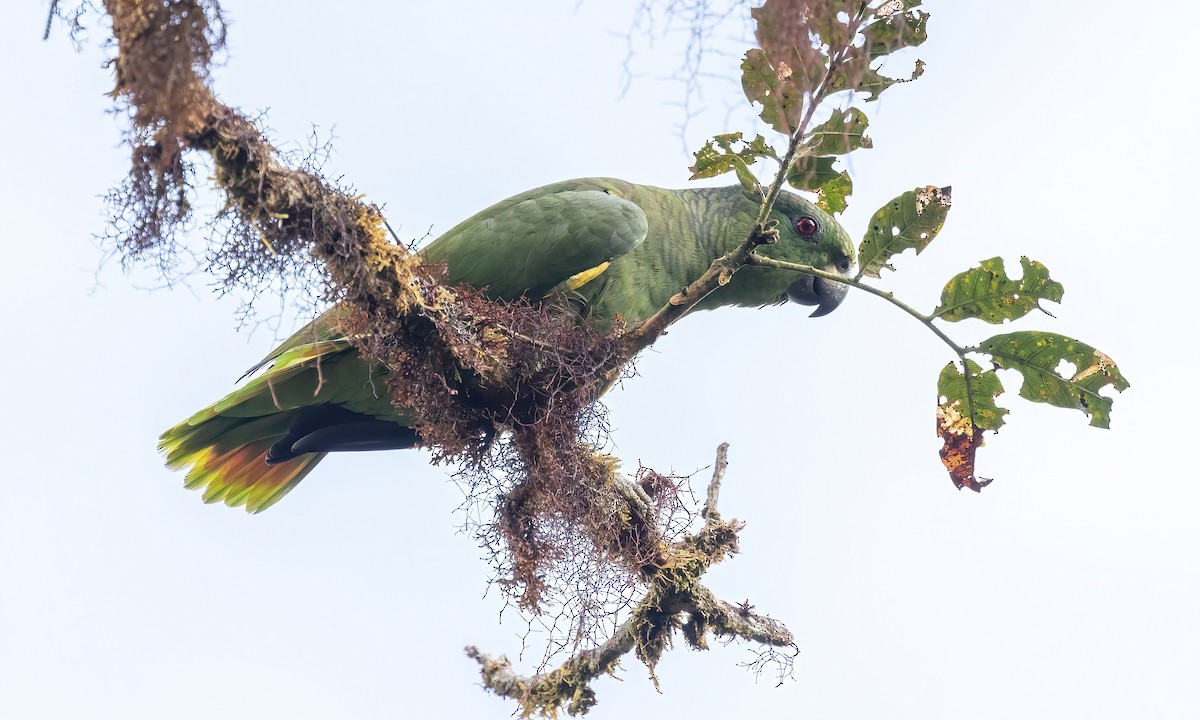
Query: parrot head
{"x": 810, "y": 236}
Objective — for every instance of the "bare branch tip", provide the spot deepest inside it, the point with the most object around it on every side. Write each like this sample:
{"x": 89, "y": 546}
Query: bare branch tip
{"x": 709, "y": 513}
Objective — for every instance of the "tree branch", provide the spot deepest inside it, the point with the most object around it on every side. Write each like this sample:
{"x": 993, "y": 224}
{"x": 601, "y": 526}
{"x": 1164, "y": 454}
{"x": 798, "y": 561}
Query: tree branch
{"x": 714, "y": 485}
{"x": 674, "y": 599}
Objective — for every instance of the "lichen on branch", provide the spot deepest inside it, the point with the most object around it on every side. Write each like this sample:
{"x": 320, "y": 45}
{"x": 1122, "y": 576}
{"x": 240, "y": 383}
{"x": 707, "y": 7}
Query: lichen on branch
{"x": 675, "y": 602}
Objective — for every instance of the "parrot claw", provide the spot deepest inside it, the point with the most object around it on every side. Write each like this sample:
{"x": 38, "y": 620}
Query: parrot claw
{"x": 768, "y": 233}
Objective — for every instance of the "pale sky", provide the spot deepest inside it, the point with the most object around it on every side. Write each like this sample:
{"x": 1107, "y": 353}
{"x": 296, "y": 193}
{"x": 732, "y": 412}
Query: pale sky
{"x": 1068, "y": 588}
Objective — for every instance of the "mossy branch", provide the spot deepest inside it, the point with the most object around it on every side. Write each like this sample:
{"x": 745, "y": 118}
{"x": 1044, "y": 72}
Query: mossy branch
{"x": 675, "y": 599}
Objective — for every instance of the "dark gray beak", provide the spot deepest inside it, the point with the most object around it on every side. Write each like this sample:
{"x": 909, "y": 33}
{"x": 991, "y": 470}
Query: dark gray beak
{"x": 825, "y": 294}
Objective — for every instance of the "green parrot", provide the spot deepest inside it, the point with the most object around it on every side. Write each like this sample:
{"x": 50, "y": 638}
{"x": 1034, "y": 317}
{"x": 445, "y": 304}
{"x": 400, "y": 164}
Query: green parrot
{"x": 614, "y": 248}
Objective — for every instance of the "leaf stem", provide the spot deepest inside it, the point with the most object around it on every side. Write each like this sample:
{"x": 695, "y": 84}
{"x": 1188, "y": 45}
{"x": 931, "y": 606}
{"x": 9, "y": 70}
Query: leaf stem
{"x": 927, "y": 321}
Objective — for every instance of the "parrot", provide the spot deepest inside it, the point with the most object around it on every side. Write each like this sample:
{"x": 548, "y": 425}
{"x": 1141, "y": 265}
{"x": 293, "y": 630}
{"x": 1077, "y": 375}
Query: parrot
{"x": 617, "y": 249}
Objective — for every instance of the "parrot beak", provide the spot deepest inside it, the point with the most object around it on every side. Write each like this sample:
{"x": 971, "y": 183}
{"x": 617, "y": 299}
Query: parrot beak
{"x": 825, "y": 294}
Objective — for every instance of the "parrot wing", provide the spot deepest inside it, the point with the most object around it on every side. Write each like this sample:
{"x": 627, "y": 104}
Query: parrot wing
{"x": 557, "y": 237}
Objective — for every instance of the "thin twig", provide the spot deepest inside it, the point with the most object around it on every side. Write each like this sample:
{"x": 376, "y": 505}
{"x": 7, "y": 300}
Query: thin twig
{"x": 927, "y": 321}
{"x": 50, "y": 15}
{"x": 709, "y": 513}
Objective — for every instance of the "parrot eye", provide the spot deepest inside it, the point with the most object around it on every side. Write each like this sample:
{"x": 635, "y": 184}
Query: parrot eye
{"x": 806, "y": 226}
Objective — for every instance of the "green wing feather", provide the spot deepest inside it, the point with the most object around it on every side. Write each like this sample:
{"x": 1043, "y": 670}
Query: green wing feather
{"x": 526, "y": 245}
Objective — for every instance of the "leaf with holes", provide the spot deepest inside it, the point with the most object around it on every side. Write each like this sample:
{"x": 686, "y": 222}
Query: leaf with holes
{"x": 1038, "y": 356}
{"x": 895, "y": 31}
{"x": 891, "y": 7}
{"x": 843, "y": 132}
{"x": 911, "y": 220}
{"x": 809, "y": 172}
{"x": 966, "y": 409}
{"x": 795, "y": 34}
{"x": 987, "y": 293}
{"x": 832, "y": 195}
{"x": 829, "y": 20}
{"x": 781, "y": 99}
{"x": 722, "y": 154}
{"x": 816, "y": 174}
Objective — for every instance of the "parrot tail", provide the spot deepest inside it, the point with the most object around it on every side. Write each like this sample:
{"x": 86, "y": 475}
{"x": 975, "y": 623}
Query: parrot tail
{"x": 226, "y": 458}
{"x": 254, "y": 445}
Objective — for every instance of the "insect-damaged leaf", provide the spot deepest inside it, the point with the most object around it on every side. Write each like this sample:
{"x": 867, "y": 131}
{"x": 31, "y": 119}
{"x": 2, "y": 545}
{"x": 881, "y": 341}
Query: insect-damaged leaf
{"x": 911, "y": 220}
{"x": 829, "y": 21}
{"x": 719, "y": 156}
{"x": 786, "y": 30}
{"x": 894, "y": 31}
{"x": 795, "y": 37}
{"x": 816, "y": 174}
{"x": 894, "y": 28}
{"x": 891, "y": 7}
{"x": 809, "y": 172}
{"x": 966, "y": 409}
{"x": 841, "y": 133}
{"x": 1040, "y": 358}
{"x": 857, "y": 74}
{"x": 782, "y": 99}
{"x": 832, "y": 197}
{"x": 987, "y": 293}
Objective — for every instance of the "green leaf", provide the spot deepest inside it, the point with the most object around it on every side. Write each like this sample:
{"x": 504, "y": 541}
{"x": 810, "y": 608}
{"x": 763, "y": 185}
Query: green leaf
{"x": 874, "y": 83}
{"x": 850, "y": 74}
{"x": 825, "y": 19}
{"x": 911, "y": 220}
{"x": 719, "y": 156}
{"x": 843, "y": 132}
{"x": 857, "y": 74}
{"x": 710, "y": 162}
{"x": 817, "y": 174}
{"x": 1038, "y": 357}
{"x": 757, "y": 147}
{"x": 988, "y": 294}
{"x": 782, "y": 101}
{"x": 895, "y": 31}
{"x": 832, "y": 195}
{"x": 966, "y": 409}
{"x": 810, "y": 172}
{"x": 977, "y": 401}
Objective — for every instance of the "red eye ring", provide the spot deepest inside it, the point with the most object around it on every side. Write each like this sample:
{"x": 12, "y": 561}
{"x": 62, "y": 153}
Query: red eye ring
{"x": 806, "y": 226}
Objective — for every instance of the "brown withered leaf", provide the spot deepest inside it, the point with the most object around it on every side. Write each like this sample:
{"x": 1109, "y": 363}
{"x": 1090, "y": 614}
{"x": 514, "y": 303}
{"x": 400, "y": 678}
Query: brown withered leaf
{"x": 960, "y": 438}
{"x": 966, "y": 408}
{"x": 784, "y": 30}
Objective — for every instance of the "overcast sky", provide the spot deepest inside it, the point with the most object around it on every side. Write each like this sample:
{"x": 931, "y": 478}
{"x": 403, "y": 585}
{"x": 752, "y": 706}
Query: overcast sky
{"x": 1068, "y": 588}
